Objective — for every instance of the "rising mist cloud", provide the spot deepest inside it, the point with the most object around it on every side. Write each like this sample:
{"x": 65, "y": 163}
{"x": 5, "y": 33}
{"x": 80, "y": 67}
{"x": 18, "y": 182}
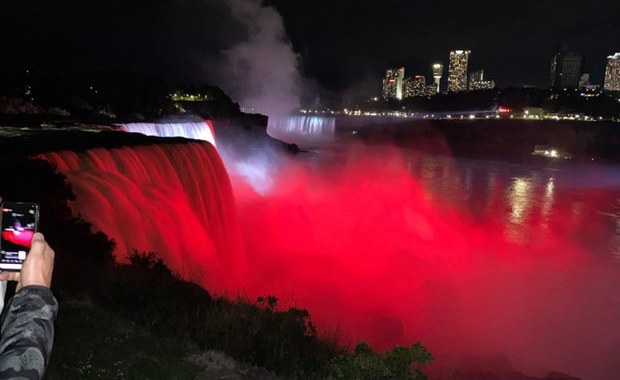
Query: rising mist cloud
{"x": 261, "y": 71}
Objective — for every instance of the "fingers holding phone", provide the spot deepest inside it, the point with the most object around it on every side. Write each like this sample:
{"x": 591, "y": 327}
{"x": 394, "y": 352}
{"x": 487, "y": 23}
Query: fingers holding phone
{"x": 37, "y": 268}
{"x": 25, "y": 256}
{"x": 20, "y": 221}
{"x": 39, "y": 264}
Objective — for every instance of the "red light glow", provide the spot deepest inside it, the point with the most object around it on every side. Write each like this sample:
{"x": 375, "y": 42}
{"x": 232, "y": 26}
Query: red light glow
{"x": 21, "y": 238}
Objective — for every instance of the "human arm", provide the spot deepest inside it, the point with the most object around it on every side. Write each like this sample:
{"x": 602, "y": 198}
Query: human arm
{"x": 28, "y": 328}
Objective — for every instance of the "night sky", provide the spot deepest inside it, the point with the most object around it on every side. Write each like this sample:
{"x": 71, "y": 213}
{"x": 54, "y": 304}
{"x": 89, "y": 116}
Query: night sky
{"x": 342, "y": 45}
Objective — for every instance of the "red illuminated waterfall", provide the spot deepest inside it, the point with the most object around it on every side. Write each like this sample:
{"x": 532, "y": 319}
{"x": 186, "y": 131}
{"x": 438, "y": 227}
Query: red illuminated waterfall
{"x": 173, "y": 199}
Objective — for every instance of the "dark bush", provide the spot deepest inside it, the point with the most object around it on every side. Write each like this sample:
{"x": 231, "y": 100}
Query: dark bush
{"x": 402, "y": 363}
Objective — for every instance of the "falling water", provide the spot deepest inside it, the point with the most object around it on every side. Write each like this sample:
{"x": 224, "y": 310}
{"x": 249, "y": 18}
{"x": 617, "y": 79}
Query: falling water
{"x": 172, "y": 199}
{"x": 191, "y": 130}
{"x": 313, "y": 130}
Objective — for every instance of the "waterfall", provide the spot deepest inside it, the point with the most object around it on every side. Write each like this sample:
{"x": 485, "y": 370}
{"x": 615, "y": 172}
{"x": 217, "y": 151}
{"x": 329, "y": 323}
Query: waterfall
{"x": 191, "y": 130}
{"x": 302, "y": 130}
{"x": 172, "y": 199}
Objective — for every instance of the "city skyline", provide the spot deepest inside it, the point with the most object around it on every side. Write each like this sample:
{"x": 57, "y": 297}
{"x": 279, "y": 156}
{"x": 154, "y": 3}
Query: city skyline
{"x": 460, "y": 78}
{"x": 566, "y": 72}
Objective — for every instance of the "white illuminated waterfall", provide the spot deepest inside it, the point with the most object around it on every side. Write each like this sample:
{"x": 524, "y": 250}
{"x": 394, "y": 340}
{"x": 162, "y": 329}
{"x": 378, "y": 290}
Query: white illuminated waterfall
{"x": 191, "y": 130}
{"x": 302, "y": 129}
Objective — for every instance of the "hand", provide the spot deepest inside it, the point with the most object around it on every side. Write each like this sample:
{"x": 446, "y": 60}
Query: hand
{"x": 37, "y": 268}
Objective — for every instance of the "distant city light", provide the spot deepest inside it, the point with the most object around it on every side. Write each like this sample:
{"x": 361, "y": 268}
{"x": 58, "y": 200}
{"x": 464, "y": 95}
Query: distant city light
{"x": 179, "y": 96}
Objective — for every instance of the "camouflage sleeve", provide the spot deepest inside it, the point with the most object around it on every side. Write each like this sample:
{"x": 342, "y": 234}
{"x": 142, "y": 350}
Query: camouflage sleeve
{"x": 28, "y": 333}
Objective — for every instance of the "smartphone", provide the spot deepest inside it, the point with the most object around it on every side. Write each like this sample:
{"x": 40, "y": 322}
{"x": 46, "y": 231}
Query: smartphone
{"x": 20, "y": 220}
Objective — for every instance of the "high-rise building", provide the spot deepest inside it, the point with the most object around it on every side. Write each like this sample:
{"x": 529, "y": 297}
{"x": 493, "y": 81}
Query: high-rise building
{"x": 612, "y": 73}
{"x": 475, "y": 77}
{"x": 430, "y": 89}
{"x": 437, "y": 74}
{"x": 566, "y": 70}
{"x": 408, "y": 87}
{"x": 477, "y": 82}
{"x": 457, "y": 71}
{"x": 419, "y": 84}
{"x": 393, "y": 83}
{"x": 414, "y": 86}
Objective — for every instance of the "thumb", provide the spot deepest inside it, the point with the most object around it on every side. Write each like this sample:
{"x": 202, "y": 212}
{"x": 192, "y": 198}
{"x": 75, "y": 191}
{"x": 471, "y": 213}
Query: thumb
{"x": 39, "y": 264}
{"x": 37, "y": 247}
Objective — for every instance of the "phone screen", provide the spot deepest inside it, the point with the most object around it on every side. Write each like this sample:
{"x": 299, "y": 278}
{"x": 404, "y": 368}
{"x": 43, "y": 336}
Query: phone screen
{"x": 19, "y": 223}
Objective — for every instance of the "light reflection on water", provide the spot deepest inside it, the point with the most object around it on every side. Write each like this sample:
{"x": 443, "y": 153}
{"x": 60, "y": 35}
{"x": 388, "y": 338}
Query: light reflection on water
{"x": 615, "y": 243}
{"x": 532, "y": 200}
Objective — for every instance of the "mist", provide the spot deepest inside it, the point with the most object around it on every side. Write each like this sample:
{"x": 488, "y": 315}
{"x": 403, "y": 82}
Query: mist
{"x": 260, "y": 72}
